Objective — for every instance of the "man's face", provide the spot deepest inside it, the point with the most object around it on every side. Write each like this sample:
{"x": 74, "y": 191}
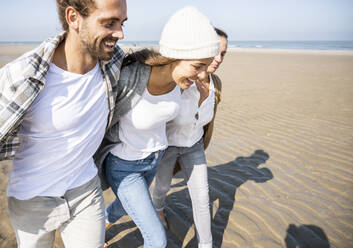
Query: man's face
{"x": 217, "y": 61}
{"x": 100, "y": 30}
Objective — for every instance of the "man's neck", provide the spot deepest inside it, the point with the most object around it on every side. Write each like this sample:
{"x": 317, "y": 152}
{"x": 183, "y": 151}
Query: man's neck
{"x": 72, "y": 57}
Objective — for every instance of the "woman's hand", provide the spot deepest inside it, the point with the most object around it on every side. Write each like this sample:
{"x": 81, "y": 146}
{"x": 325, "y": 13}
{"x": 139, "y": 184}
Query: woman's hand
{"x": 203, "y": 87}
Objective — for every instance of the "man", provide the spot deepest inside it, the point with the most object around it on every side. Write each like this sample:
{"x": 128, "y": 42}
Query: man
{"x": 55, "y": 105}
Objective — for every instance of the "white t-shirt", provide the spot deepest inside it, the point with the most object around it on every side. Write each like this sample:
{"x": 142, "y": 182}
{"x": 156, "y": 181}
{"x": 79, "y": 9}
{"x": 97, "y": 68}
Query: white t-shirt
{"x": 187, "y": 128}
{"x": 59, "y": 134}
{"x": 143, "y": 129}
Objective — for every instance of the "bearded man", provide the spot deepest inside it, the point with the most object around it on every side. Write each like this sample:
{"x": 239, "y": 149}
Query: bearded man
{"x": 56, "y": 102}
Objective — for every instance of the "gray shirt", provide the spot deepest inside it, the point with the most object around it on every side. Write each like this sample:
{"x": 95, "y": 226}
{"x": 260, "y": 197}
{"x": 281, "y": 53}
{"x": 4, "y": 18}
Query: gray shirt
{"x": 132, "y": 83}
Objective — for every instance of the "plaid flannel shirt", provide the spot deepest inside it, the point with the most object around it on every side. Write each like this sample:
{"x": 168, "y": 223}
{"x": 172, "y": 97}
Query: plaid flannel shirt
{"x": 22, "y": 80}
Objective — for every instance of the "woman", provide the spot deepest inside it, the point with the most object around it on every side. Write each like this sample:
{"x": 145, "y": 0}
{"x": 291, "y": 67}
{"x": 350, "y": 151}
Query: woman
{"x": 138, "y": 139}
{"x": 188, "y": 135}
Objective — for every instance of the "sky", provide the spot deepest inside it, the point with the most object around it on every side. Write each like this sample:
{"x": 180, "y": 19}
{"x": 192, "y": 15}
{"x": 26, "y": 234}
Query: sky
{"x": 36, "y": 20}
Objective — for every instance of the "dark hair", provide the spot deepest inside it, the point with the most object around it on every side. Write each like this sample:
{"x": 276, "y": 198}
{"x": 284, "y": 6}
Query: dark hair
{"x": 221, "y": 32}
{"x": 148, "y": 57}
{"x": 82, "y": 6}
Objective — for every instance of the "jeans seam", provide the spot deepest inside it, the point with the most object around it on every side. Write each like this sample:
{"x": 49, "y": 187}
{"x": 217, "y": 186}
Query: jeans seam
{"x": 136, "y": 216}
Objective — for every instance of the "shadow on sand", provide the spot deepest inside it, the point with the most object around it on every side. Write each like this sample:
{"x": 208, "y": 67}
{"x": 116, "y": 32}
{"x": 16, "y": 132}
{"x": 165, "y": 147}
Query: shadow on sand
{"x": 306, "y": 236}
{"x": 132, "y": 239}
{"x": 224, "y": 180}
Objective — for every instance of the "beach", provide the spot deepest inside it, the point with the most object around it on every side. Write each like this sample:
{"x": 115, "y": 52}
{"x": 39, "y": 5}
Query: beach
{"x": 280, "y": 159}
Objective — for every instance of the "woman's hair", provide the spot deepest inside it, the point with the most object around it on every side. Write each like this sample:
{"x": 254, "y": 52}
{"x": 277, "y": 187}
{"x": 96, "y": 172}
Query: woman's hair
{"x": 148, "y": 57}
{"x": 82, "y": 6}
{"x": 221, "y": 32}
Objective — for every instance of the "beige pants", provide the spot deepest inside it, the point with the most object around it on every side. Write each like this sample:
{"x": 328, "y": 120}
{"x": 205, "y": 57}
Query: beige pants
{"x": 78, "y": 215}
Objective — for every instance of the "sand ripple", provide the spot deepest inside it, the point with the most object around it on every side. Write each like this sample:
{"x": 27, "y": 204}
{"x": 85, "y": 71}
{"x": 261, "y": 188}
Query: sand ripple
{"x": 280, "y": 162}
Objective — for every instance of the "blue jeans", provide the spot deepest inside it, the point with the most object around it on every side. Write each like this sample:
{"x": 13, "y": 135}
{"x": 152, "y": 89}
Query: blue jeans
{"x": 130, "y": 181}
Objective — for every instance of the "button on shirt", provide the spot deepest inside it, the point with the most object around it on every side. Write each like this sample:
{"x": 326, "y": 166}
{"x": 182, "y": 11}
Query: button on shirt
{"x": 59, "y": 134}
{"x": 187, "y": 128}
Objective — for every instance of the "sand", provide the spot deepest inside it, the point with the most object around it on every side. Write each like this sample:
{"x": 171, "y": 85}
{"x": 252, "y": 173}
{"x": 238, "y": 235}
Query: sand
{"x": 280, "y": 161}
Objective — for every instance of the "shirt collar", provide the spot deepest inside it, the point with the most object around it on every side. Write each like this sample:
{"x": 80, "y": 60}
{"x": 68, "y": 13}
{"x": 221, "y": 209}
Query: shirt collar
{"x": 42, "y": 56}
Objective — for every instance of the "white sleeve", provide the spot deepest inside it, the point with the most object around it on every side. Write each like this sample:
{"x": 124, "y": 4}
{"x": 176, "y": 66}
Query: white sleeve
{"x": 205, "y": 112}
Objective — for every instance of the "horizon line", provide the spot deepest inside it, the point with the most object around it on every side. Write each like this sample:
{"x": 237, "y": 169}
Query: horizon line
{"x": 39, "y": 41}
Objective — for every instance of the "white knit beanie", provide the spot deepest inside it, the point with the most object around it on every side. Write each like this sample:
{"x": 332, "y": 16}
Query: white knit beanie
{"x": 188, "y": 34}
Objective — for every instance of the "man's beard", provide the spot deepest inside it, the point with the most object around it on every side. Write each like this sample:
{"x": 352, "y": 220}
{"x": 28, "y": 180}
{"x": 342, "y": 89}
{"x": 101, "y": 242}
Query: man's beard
{"x": 94, "y": 46}
{"x": 96, "y": 50}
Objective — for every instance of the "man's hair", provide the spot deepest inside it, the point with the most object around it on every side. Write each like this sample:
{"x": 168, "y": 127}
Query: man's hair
{"x": 82, "y": 6}
{"x": 221, "y": 32}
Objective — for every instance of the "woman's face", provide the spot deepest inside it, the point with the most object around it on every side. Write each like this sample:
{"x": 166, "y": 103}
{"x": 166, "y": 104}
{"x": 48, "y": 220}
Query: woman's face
{"x": 187, "y": 71}
{"x": 217, "y": 61}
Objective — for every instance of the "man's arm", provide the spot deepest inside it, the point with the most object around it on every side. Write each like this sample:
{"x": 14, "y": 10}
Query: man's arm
{"x": 8, "y": 146}
{"x": 9, "y": 141}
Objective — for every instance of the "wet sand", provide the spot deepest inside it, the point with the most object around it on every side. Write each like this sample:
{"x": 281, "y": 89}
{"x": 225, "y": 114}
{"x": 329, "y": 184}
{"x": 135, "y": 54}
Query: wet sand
{"x": 280, "y": 161}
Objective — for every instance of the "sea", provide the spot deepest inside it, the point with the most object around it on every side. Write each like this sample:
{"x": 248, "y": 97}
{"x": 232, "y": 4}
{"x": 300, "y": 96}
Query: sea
{"x": 294, "y": 45}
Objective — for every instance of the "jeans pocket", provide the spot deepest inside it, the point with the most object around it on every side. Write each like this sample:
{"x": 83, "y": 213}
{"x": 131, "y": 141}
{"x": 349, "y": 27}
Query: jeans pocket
{"x": 116, "y": 164}
{"x": 152, "y": 159}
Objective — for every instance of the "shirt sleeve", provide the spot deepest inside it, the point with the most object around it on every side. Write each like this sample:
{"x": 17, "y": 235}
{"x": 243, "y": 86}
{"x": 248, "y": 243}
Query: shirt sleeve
{"x": 205, "y": 112}
{"x": 9, "y": 141}
{"x": 9, "y": 145}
